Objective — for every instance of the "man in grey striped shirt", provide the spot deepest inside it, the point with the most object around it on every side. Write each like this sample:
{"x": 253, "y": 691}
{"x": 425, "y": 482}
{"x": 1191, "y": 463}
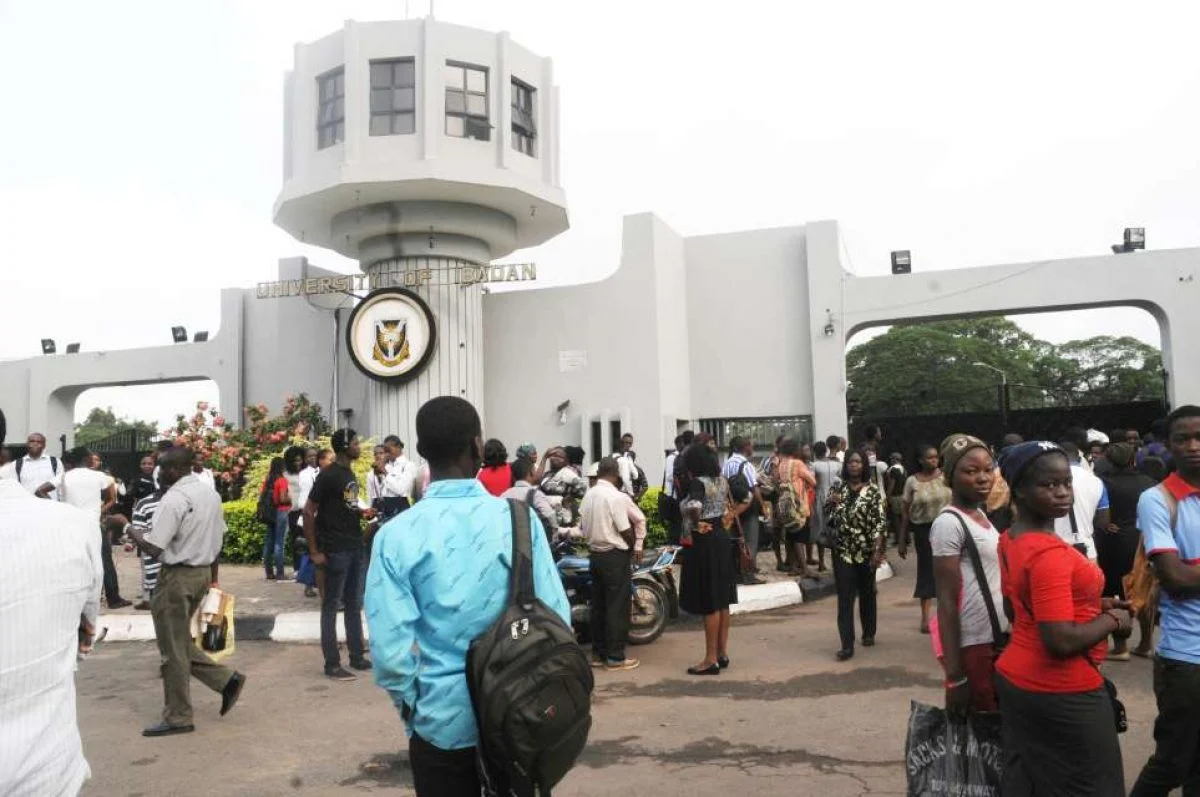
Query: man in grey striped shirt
{"x": 143, "y": 521}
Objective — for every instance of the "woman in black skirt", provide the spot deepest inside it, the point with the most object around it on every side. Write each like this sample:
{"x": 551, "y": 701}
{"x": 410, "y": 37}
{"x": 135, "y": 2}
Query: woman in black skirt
{"x": 708, "y": 586}
{"x": 1059, "y": 728}
{"x": 925, "y": 496}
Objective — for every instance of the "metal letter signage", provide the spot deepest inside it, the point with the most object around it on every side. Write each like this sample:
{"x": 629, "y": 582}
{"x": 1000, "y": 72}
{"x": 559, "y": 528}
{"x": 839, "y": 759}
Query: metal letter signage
{"x": 391, "y": 335}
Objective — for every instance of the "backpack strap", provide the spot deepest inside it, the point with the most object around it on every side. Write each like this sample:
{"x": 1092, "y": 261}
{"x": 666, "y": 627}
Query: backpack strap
{"x": 20, "y": 461}
{"x": 1169, "y": 500}
{"x": 54, "y": 466}
{"x": 520, "y": 580}
{"x": 980, "y": 576}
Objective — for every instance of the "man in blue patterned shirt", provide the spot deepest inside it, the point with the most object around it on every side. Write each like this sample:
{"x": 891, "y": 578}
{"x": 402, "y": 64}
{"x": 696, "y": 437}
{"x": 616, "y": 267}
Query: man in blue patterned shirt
{"x": 438, "y": 578}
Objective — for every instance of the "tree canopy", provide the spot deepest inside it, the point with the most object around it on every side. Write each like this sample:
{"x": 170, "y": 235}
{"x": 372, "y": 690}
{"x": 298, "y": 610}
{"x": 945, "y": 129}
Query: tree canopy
{"x": 102, "y": 422}
{"x": 929, "y": 368}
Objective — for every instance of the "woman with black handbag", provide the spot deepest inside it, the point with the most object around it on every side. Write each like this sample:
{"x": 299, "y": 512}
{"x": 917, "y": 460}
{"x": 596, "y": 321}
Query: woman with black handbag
{"x": 966, "y": 572}
{"x": 1060, "y": 715}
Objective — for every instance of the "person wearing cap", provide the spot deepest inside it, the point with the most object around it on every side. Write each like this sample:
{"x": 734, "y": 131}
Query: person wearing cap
{"x": 1058, "y": 724}
{"x": 967, "y": 635}
{"x": 333, "y": 529}
{"x": 537, "y": 469}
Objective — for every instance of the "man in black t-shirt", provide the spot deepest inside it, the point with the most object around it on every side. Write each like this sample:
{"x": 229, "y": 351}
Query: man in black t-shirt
{"x": 334, "y": 533}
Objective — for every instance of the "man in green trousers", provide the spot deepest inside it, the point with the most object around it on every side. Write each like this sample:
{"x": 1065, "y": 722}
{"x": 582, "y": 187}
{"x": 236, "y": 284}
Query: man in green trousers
{"x": 186, "y": 537}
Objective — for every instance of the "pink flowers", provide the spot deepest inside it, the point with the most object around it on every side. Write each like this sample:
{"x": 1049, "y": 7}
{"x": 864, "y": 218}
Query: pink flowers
{"x": 219, "y": 421}
{"x": 202, "y": 405}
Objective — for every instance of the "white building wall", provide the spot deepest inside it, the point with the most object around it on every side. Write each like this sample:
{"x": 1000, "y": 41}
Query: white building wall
{"x": 742, "y": 289}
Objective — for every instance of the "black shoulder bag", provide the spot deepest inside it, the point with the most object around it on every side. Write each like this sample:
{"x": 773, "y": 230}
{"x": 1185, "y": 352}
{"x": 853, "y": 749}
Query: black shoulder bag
{"x": 999, "y": 637}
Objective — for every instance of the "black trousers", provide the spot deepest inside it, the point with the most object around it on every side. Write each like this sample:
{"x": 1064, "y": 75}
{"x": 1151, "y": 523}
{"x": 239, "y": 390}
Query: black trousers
{"x": 442, "y": 773}
{"x": 112, "y": 590}
{"x": 854, "y": 582}
{"x": 1176, "y": 759}
{"x": 611, "y": 597}
{"x": 342, "y": 573}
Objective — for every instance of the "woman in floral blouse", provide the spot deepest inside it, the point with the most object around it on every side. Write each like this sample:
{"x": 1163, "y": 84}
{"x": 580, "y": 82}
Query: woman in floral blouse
{"x": 856, "y": 510}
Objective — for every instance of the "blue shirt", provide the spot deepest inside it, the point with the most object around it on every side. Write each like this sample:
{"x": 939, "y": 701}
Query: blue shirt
{"x": 438, "y": 578}
{"x": 1180, "y": 638}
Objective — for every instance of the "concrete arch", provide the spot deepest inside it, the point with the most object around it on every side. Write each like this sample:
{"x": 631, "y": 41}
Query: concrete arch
{"x": 1161, "y": 282}
{"x": 39, "y": 394}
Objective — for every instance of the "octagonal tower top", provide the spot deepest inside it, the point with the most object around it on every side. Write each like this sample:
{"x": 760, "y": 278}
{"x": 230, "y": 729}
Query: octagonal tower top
{"x": 397, "y": 133}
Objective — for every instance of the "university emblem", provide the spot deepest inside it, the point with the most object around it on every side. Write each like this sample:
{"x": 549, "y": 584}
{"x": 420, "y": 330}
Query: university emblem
{"x": 391, "y": 335}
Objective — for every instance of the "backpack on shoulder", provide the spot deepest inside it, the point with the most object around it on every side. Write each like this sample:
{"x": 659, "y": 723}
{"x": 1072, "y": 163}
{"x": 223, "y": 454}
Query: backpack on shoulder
{"x": 530, "y": 684}
{"x": 1141, "y": 583}
{"x": 265, "y": 511}
{"x": 21, "y": 461}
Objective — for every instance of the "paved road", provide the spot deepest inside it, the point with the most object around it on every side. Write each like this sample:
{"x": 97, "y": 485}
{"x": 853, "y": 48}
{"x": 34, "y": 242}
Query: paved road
{"x": 785, "y": 719}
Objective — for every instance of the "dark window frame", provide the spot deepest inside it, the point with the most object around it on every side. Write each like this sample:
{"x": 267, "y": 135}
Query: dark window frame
{"x": 331, "y": 97}
{"x": 395, "y": 116}
{"x": 524, "y": 118}
{"x": 474, "y": 126}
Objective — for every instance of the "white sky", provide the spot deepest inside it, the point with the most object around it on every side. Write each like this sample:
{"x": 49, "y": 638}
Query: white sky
{"x": 140, "y": 153}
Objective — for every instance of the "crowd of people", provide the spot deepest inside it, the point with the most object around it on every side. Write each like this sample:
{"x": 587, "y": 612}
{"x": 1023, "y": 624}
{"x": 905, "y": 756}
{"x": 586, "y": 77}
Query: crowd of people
{"x": 1024, "y": 552}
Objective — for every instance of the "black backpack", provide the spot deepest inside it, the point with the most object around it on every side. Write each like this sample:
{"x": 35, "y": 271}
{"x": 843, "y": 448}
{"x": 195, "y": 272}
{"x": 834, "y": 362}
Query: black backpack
{"x": 739, "y": 484}
{"x": 530, "y": 684}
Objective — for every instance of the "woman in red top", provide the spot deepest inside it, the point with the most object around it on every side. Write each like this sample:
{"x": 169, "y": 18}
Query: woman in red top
{"x": 496, "y": 473}
{"x": 1059, "y": 731}
{"x": 277, "y": 534}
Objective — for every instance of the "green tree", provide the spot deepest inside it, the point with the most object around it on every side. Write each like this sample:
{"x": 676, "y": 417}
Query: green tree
{"x": 921, "y": 369}
{"x": 102, "y": 422}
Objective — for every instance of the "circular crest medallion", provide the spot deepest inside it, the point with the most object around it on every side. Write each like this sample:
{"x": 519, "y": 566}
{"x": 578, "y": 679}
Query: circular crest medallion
{"x": 391, "y": 335}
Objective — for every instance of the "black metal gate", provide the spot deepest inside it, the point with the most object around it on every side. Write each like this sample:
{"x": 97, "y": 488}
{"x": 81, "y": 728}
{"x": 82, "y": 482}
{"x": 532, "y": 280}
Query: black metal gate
{"x": 121, "y": 452}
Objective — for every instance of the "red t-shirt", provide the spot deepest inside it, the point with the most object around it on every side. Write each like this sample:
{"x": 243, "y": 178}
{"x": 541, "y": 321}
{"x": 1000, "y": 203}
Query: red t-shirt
{"x": 1042, "y": 572}
{"x": 281, "y": 495}
{"x": 496, "y": 479}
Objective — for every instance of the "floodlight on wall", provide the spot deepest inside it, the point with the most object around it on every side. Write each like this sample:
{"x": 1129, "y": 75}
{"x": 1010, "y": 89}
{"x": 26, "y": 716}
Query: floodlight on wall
{"x": 561, "y": 409}
{"x": 179, "y": 334}
{"x": 1135, "y": 238}
{"x": 902, "y": 262}
{"x": 48, "y": 346}
{"x": 72, "y": 348}
{"x": 200, "y": 337}
{"x": 829, "y": 328}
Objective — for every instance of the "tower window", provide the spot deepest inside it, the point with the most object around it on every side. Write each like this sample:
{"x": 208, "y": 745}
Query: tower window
{"x": 331, "y": 108}
{"x": 393, "y": 97}
{"x": 467, "y": 102}
{"x": 524, "y": 128}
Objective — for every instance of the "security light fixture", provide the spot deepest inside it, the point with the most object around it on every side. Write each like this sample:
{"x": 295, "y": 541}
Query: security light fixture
{"x": 48, "y": 346}
{"x": 561, "y": 409}
{"x": 179, "y": 334}
{"x": 829, "y": 328}
{"x": 1135, "y": 238}
{"x": 902, "y": 262}
{"x": 200, "y": 337}
{"x": 72, "y": 348}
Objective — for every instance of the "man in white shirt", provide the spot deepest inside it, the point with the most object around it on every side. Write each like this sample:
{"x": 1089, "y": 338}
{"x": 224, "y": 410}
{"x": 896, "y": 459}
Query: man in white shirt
{"x": 94, "y": 492}
{"x": 1090, "y": 511}
{"x": 202, "y": 473}
{"x": 50, "y": 578}
{"x": 38, "y": 472}
{"x": 604, "y": 518}
{"x": 626, "y": 465}
{"x": 400, "y": 478}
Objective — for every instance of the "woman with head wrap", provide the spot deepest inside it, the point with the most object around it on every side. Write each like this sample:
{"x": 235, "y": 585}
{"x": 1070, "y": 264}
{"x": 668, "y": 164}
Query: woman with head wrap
{"x": 971, "y": 625}
{"x": 1117, "y": 545}
{"x": 1059, "y": 730}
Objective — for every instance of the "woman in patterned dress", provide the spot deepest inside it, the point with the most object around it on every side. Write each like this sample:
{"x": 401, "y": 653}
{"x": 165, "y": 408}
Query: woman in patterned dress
{"x": 857, "y": 510}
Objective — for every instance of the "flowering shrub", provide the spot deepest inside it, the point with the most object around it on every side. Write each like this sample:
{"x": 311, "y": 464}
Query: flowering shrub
{"x": 228, "y": 451}
{"x": 656, "y": 527}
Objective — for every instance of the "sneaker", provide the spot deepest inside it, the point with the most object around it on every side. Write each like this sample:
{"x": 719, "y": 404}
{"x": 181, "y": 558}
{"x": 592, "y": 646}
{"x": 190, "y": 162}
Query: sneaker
{"x": 360, "y": 664}
{"x": 598, "y": 662}
{"x": 340, "y": 674}
{"x": 617, "y": 666}
{"x": 310, "y": 592}
{"x": 120, "y": 603}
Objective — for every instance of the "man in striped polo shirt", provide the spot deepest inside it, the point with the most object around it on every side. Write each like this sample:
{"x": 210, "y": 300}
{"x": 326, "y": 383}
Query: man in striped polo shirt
{"x": 142, "y": 519}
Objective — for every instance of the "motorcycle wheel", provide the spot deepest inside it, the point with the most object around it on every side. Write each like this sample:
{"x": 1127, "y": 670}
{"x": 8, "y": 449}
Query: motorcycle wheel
{"x": 647, "y": 612}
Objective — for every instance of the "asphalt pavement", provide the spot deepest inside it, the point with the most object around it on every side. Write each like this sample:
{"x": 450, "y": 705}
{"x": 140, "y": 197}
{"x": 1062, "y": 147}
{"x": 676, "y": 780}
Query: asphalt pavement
{"x": 785, "y": 719}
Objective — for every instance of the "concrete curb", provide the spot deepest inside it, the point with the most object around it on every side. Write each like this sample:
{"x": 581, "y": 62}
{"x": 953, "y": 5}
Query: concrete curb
{"x": 306, "y": 626}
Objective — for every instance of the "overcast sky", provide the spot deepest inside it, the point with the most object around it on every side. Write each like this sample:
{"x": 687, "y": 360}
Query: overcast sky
{"x": 140, "y": 149}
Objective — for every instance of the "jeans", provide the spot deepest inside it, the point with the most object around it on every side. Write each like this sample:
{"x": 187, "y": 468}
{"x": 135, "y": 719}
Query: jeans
{"x": 273, "y": 543}
{"x": 343, "y": 570}
{"x": 112, "y": 590}
{"x": 750, "y": 530}
{"x": 854, "y": 581}
{"x": 612, "y": 595}
{"x": 1176, "y": 759}
{"x": 445, "y": 773}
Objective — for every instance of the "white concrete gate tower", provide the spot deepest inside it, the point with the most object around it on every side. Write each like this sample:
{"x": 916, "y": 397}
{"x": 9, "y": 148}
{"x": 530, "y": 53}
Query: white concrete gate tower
{"x": 425, "y": 151}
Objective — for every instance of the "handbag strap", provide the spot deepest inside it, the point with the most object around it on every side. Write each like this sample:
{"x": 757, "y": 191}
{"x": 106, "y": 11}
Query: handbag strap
{"x": 980, "y": 575}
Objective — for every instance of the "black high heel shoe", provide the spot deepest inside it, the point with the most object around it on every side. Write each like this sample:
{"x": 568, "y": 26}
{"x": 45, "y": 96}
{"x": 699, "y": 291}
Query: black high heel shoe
{"x": 714, "y": 669}
{"x": 845, "y": 654}
{"x": 722, "y": 662}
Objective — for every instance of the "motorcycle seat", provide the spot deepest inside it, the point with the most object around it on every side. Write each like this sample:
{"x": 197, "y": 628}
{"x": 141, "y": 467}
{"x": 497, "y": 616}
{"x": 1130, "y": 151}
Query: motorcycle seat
{"x": 574, "y": 563}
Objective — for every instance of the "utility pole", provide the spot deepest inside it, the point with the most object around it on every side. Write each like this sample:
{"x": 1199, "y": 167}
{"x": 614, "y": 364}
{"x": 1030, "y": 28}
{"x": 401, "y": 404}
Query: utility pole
{"x": 1001, "y": 391}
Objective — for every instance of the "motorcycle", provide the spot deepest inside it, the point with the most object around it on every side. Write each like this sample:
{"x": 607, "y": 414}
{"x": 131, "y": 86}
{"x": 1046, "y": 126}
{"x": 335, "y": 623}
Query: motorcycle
{"x": 655, "y": 597}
